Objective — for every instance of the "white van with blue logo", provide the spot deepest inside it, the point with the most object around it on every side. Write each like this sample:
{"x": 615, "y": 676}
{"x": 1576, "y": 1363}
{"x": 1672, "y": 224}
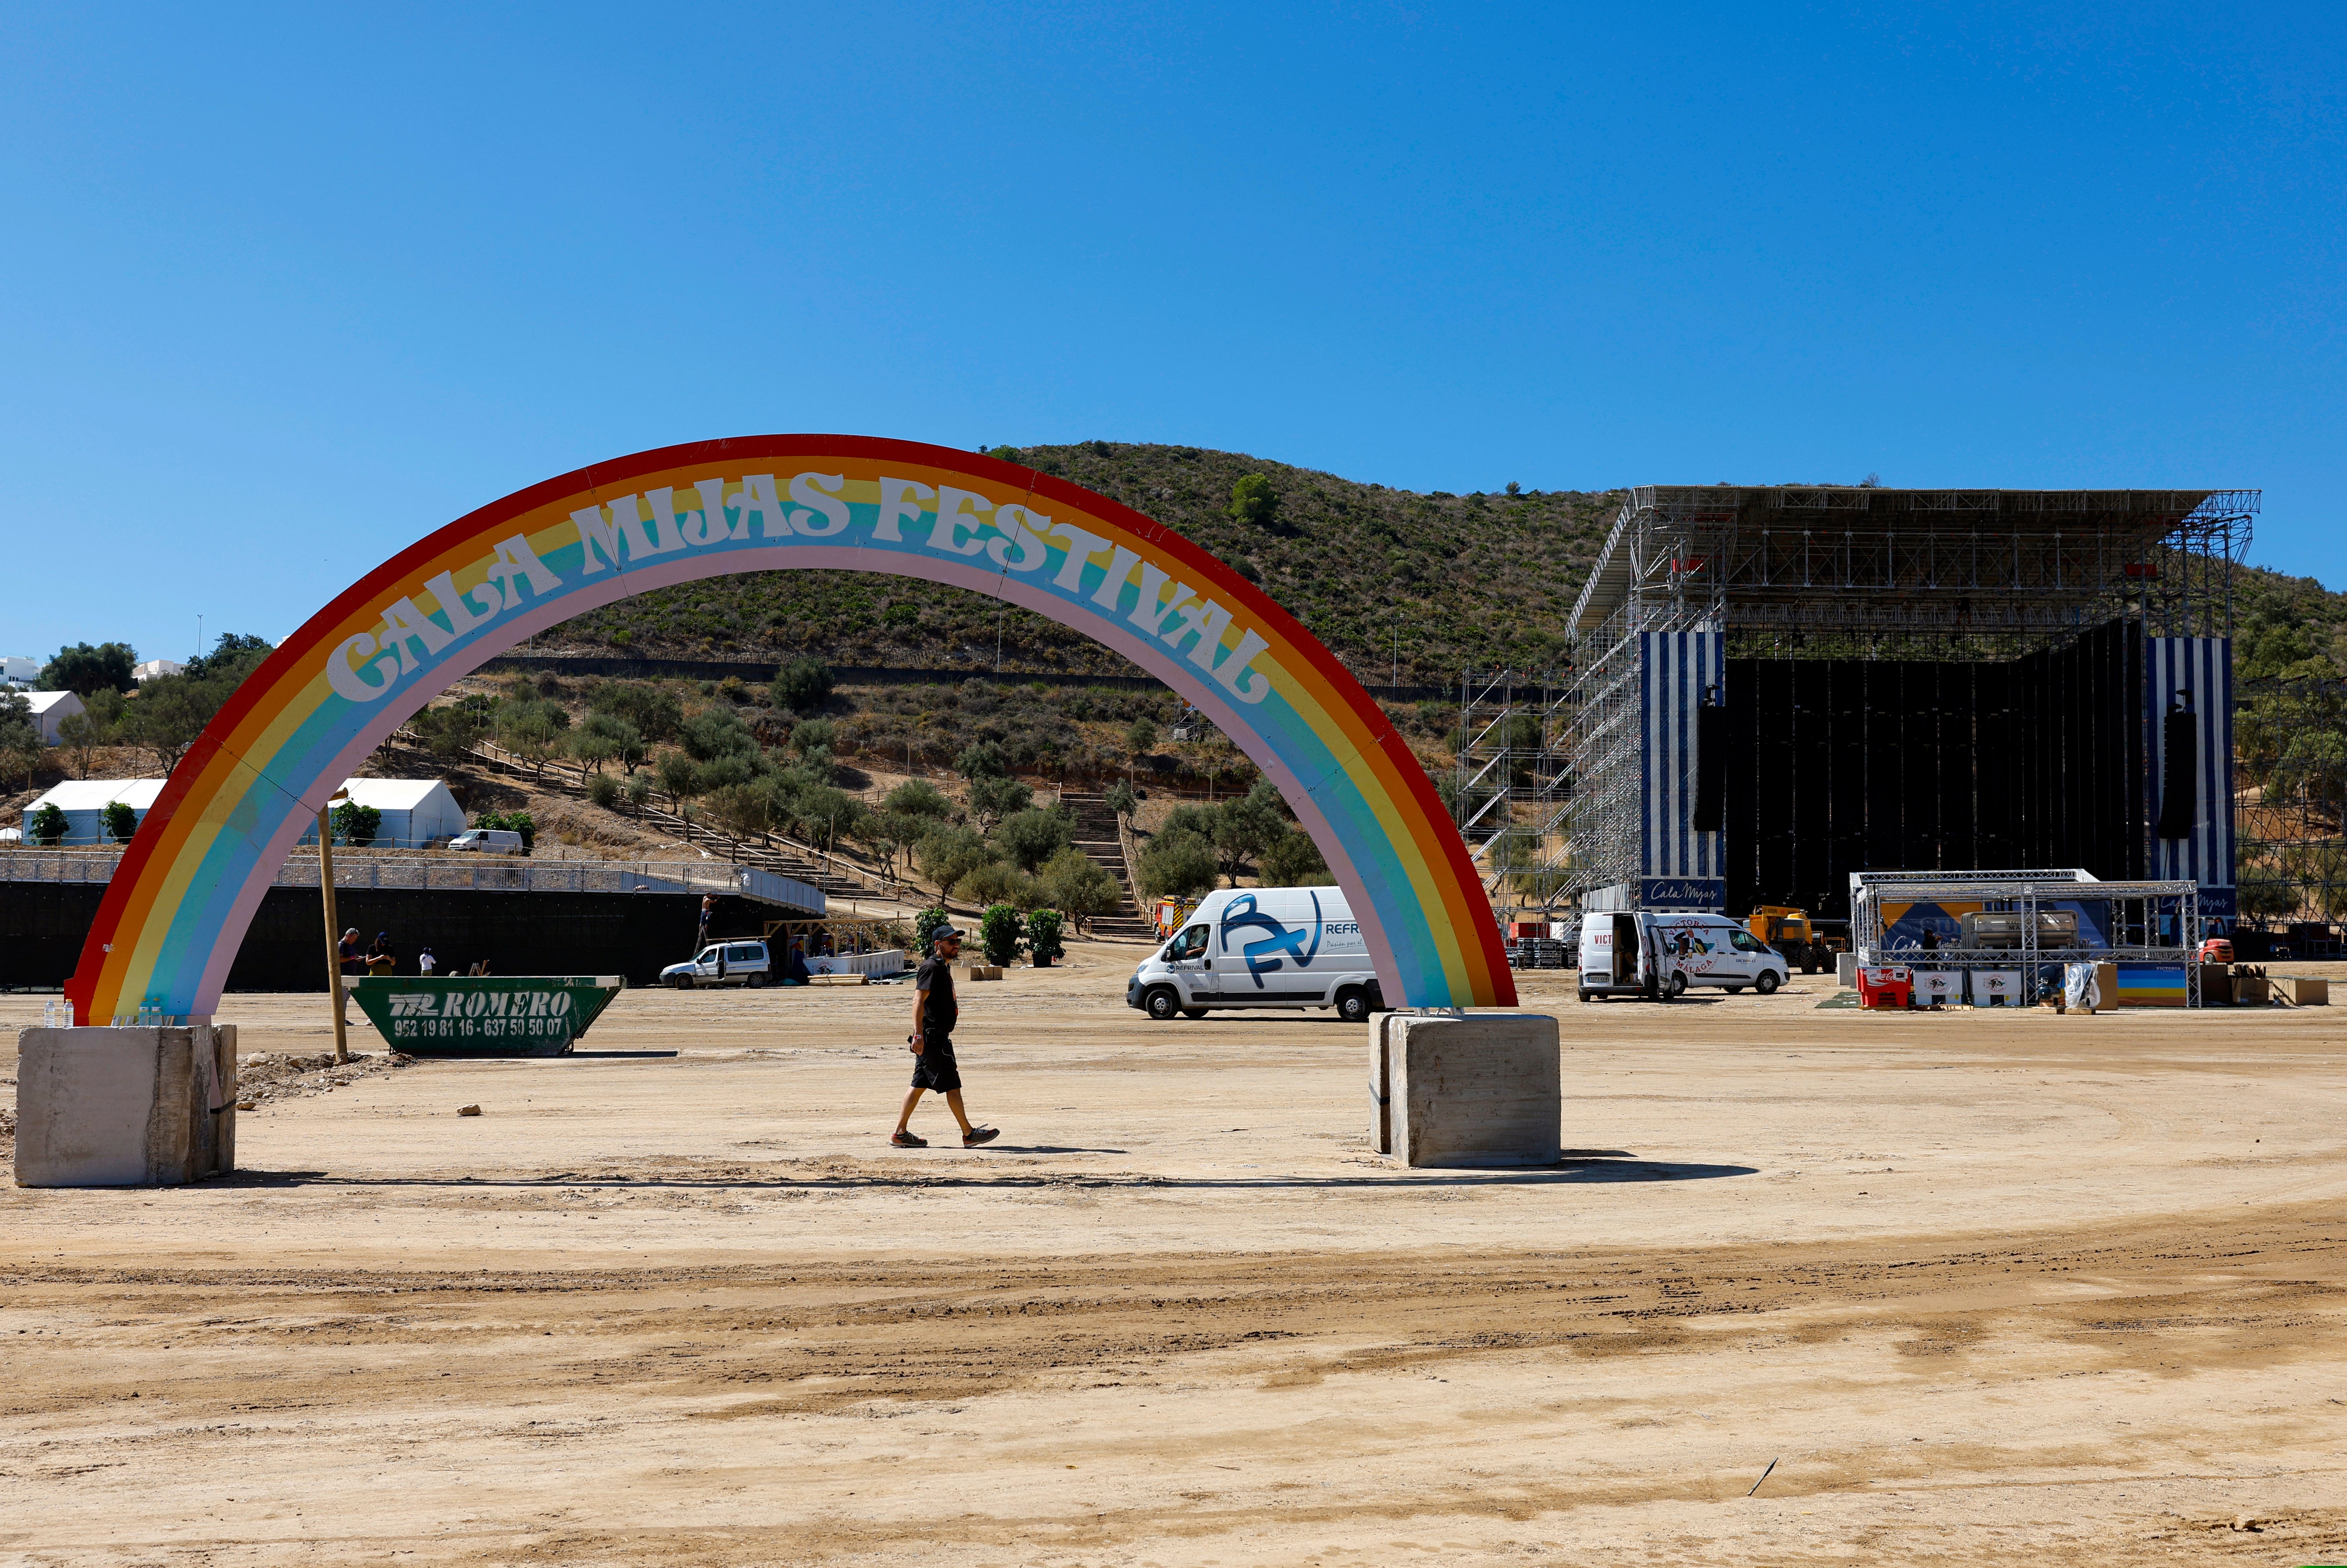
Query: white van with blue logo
{"x": 1261, "y": 947}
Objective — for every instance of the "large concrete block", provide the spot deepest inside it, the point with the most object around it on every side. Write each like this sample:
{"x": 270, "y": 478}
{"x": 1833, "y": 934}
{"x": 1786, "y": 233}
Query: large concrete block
{"x": 1469, "y": 1090}
{"x": 141, "y": 1107}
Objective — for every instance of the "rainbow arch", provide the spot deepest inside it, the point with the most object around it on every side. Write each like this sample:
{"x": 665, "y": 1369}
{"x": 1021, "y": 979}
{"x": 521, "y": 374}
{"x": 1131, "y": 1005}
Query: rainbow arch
{"x": 189, "y": 883}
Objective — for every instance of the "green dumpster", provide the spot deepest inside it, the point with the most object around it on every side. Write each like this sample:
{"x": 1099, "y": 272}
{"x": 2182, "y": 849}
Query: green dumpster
{"x": 484, "y": 1015}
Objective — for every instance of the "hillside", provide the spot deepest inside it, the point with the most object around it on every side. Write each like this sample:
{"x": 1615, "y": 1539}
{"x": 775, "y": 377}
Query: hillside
{"x": 1482, "y": 579}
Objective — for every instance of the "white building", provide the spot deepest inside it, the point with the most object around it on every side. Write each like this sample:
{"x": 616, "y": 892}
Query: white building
{"x": 50, "y": 709}
{"x": 414, "y": 811}
{"x": 15, "y": 670}
{"x": 156, "y": 667}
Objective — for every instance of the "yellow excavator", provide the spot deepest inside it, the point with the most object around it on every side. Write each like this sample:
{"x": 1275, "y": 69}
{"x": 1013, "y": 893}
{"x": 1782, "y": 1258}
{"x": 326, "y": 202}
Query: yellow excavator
{"x": 1812, "y": 944}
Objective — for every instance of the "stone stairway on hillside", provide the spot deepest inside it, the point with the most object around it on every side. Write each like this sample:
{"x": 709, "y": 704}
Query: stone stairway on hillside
{"x": 1097, "y": 835}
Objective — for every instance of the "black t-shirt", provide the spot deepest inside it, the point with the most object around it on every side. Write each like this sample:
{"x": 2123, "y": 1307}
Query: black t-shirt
{"x": 941, "y": 1012}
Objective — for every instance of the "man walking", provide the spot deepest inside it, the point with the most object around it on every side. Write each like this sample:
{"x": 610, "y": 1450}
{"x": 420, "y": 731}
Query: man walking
{"x": 935, "y": 1012}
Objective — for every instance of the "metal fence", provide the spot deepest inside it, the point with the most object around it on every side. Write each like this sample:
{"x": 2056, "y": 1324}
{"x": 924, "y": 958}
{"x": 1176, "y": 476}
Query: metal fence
{"x": 481, "y": 874}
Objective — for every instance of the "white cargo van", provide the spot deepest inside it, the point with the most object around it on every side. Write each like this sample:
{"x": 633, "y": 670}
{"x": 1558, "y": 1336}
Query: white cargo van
{"x": 1261, "y": 947}
{"x": 1659, "y": 954}
{"x": 487, "y": 841}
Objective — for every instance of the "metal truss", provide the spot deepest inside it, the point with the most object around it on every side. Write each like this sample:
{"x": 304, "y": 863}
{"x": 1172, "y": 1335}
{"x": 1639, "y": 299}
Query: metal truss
{"x": 1839, "y": 572}
{"x": 2144, "y": 915}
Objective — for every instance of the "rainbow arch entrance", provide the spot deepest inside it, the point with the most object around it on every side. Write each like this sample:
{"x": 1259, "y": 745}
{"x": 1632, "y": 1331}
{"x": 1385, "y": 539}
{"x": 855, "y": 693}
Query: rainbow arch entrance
{"x": 179, "y": 904}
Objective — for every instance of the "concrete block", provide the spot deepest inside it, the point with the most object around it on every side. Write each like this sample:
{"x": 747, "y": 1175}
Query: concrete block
{"x": 141, "y": 1107}
{"x": 1467, "y": 1092}
{"x": 1846, "y": 971}
{"x": 982, "y": 972}
{"x": 846, "y": 979}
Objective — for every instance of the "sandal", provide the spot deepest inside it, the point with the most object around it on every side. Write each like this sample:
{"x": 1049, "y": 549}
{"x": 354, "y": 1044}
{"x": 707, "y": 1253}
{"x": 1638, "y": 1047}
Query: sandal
{"x": 907, "y": 1141}
{"x": 976, "y": 1135}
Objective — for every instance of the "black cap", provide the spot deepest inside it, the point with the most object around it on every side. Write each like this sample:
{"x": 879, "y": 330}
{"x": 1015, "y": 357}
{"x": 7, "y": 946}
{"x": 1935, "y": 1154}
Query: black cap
{"x": 939, "y": 933}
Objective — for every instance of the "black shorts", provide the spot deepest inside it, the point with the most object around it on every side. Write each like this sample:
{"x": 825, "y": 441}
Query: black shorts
{"x": 935, "y": 1067}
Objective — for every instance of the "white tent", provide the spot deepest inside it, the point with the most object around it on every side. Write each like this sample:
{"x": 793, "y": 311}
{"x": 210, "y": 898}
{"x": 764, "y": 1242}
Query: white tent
{"x": 82, "y": 801}
{"x": 414, "y": 811}
{"x": 49, "y": 708}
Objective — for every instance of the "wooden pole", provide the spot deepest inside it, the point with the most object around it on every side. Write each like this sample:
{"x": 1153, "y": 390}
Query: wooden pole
{"x": 333, "y": 937}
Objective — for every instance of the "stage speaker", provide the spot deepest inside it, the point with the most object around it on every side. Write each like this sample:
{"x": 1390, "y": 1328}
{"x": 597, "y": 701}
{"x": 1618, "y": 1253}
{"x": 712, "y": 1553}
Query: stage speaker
{"x": 2179, "y": 768}
{"x": 1710, "y": 769}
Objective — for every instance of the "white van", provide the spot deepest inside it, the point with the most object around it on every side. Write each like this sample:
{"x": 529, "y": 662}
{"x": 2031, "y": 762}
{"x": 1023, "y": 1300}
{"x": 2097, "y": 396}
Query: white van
{"x": 1658, "y": 954}
{"x": 1261, "y": 947}
{"x": 723, "y": 964}
{"x": 487, "y": 841}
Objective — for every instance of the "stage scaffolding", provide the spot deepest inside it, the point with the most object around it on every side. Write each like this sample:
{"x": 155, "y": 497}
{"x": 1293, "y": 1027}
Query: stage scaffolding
{"x": 1548, "y": 785}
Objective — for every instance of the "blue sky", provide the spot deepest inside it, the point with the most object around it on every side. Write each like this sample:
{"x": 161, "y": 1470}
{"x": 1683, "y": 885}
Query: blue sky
{"x": 286, "y": 289}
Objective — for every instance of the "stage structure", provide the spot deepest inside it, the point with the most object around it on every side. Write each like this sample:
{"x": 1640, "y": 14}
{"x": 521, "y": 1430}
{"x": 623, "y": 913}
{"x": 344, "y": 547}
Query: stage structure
{"x": 1771, "y": 688}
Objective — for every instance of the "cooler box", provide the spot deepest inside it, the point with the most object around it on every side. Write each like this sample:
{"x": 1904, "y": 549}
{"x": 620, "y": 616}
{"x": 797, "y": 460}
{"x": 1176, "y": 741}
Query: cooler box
{"x": 1996, "y": 987}
{"x": 1938, "y": 988}
{"x": 1885, "y": 986}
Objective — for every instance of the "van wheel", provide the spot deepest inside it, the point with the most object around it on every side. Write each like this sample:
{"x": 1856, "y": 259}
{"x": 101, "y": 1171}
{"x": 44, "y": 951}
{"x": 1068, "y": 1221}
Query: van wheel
{"x": 1766, "y": 984}
{"x": 682, "y": 982}
{"x": 757, "y": 982}
{"x": 1678, "y": 987}
{"x": 1735, "y": 990}
{"x": 1161, "y": 1004}
{"x": 1353, "y": 1004}
{"x": 1194, "y": 1012}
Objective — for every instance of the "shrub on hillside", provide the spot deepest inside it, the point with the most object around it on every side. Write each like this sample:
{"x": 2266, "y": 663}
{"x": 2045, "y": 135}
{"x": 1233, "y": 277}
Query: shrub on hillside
{"x": 1293, "y": 860}
{"x": 1177, "y": 863}
{"x": 652, "y": 709}
{"x": 997, "y": 882}
{"x": 1043, "y": 938}
{"x": 949, "y": 854}
{"x": 920, "y": 797}
{"x": 1001, "y": 933}
{"x": 1072, "y": 883}
{"x": 1030, "y": 837}
{"x": 355, "y": 824}
{"x": 603, "y": 790}
{"x": 926, "y": 921}
{"x": 992, "y": 798}
{"x": 802, "y": 685}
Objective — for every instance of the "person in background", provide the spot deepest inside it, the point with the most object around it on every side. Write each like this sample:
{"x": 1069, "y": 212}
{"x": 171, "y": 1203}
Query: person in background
{"x": 935, "y": 1012}
{"x": 425, "y": 963}
{"x": 380, "y": 958}
{"x": 348, "y": 962}
{"x": 708, "y": 908}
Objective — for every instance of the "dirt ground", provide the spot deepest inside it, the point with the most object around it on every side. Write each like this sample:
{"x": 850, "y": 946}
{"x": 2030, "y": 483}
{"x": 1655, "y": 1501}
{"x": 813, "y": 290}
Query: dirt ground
{"x": 1983, "y": 1288}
